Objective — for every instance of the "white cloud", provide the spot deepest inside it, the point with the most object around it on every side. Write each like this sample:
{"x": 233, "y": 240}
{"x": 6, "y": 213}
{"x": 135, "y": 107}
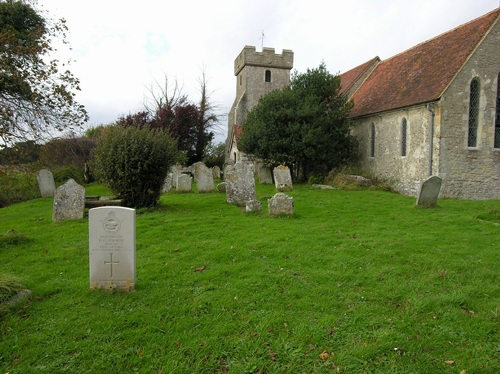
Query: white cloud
{"x": 122, "y": 47}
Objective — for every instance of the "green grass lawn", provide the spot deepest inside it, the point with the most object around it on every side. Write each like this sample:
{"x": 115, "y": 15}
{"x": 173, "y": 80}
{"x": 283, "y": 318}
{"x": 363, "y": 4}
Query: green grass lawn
{"x": 355, "y": 282}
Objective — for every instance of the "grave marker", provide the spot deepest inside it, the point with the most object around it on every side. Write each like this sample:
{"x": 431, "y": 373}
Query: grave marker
{"x": 240, "y": 184}
{"x": 46, "y": 183}
{"x": 429, "y": 192}
{"x": 282, "y": 178}
{"x": 203, "y": 177}
{"x": 69, "y": 202}
{"x": 112, "y": 248}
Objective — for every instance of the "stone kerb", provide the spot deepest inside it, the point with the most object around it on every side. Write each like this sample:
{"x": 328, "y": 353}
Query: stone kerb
{"x": 69, "y": 202}
{"x": 281, "y": 204}
{"x": 203, "y": 177}
{"x": 282, "y": 178}
{"x": 112, "y": 245}
{"x": 46, "y": 183}
{"x": 429, "y": 192}
{"x": 240, "y": 184}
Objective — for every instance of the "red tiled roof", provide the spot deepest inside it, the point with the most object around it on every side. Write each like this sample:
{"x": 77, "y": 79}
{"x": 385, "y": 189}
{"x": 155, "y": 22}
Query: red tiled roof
{"x": 420, "y": 74}
{"x": 350, "y": 77}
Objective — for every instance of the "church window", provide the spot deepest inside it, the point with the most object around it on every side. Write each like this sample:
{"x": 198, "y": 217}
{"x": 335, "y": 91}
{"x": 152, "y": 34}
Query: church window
{"x": 404, "y": 126}
{"x": 497, "y": 116}
{"x": 268, "y": 76}
{"x": 372, "y": 140}
{"x": 473, "y": 113}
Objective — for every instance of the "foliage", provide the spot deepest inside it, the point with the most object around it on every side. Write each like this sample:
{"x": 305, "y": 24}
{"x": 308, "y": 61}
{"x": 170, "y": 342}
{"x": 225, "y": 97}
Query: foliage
{"x": 304, "y": 124}
{"x": 20, "y": 153}
{"x": 214, "y": 155}
{"x": 349, "y": 285}
{"x": 67, "y": 151}
{"x": 63, "y": 173}
{"x": 35, "y": 96}
{"x": 12, "y": 237}
{"x": 10, "y": 285}
{"x": 134, "y": 162}
{"x": 17, "y": 186}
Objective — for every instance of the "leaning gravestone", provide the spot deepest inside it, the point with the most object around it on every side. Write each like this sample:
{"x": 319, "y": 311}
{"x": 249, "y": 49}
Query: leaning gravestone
{"x": 69, "y": 202}
{"x": 112, "y": 248}
{"x": 280, "y": 204}
{"x": 264, "y": 173}
{"x": 46, "y": 183}
{"x": 203, "y": 177}
{"x": 240, "y": 183}
{"x": 282, "y": 178}
{"x": 429, "y": 192}
{"x": 184, "y": 183}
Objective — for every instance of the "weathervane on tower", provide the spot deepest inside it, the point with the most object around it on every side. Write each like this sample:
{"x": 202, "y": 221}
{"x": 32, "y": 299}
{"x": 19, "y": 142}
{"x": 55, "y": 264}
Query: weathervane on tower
{"x": 262, "y": 39}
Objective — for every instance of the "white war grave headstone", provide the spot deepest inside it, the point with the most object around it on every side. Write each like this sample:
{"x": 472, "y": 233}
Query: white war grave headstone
{"x": 112, "y": 248}
{"x": 69, "y": 202}
{"x": 429, "y": 192}
{"x": 282, "y": 178}
{"x": 46, "y": 183}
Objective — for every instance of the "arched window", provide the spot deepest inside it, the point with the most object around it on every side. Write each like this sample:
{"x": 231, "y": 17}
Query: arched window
{"x": 404, "y": 126}
{"x": 268, "y": 76}
{"x": 372, "y": 140}
{"x": 473, "y": 113}
{"x": 497, "y": 116}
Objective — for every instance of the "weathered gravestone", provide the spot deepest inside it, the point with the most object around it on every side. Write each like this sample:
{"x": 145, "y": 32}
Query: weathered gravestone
{"x": 221, "y": 187}
{"x": 46, "y": 183}
{"x": 280, "y": 204}
{"x": 216, "y": 172}
{"x": 282, "y": 178}
{"x": 69, "y": 202}
{"x": 240, "y": 183}
{"x": 112, "y": 248}
{"x": 203, "y": 177}
{"x": 253, "y": 206}
{"x": 167, "y": 183}
{"x": 176, "y": 172}
{"x": 184, "y": 183}
{"x": 429, "y": 192}
{"x": 263, "y": 173}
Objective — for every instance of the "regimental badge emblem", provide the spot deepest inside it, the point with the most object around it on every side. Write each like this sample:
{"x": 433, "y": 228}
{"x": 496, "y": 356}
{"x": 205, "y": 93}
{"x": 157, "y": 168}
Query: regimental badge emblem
{"x": 111, "y": 223}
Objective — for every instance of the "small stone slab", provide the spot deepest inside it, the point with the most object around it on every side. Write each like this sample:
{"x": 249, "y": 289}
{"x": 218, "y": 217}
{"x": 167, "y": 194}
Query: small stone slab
{"x": 112, "y": 248}
{"x": 282, "y": 178}
{"x": 46, "y": 183}
{"x": 253, "y": 206}
{"x": 429, "y": 192}
{"x": 69, "y": 202}
{"x": 203, "y": 177}
{"x": 281, "y": 204}
{"x": 184, "y": 183}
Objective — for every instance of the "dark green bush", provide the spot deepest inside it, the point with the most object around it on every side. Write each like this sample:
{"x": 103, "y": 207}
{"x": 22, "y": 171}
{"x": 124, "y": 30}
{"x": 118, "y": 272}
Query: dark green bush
{"x": 17, "y": 186}
{"x": 66, "y": 172}
{"x": 134, "y": 162}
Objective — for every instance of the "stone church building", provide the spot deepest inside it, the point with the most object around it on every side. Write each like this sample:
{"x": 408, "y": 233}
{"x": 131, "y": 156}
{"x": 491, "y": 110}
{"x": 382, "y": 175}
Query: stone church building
{"x": 430, "y": 110}
{"x": 433, "y": 110}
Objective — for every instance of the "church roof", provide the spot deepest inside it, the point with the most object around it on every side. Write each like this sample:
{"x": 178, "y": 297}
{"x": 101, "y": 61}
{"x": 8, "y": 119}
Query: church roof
{"x": 349, "y": 78}
{"x": 237, "y": 131}
{"x": 420, "y": 74}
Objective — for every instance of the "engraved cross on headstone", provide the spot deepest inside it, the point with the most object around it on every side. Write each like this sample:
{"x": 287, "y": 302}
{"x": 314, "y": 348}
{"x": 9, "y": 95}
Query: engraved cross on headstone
{"x": 111, "y": 263}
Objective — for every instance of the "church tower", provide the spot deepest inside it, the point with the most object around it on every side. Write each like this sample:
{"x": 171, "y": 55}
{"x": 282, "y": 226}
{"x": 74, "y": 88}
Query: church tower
{"x": 257, "y": 73}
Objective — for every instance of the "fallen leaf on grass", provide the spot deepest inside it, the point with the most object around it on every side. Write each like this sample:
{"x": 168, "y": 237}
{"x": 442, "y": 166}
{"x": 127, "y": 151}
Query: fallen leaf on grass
{"x": 200, "y": 268}
{"x": 449, "y": 362}
{"x": 324, "y": 355}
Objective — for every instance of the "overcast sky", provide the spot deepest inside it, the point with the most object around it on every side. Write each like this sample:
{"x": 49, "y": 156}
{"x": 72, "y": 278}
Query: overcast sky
{"x": 122, "y": 47}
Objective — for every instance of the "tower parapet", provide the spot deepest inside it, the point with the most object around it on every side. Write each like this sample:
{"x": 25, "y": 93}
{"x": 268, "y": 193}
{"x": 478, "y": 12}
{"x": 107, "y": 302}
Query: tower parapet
{"x": 267, "y": 58}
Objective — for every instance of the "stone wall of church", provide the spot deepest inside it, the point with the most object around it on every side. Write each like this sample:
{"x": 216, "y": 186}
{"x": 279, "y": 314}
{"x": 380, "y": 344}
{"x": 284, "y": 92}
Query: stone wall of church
{"x": 387, "y": 160}
{"x": 472, "y": 172}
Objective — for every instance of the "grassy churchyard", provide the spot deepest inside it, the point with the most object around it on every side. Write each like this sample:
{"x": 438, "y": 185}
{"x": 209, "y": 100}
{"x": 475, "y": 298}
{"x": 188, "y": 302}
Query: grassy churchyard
{"x": 355, "y": 282}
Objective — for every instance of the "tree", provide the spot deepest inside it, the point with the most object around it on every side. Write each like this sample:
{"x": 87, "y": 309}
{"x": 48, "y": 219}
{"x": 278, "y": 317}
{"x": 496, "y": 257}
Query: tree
{"x": 133, "y": 162}
{"x": 303, "y": 125}
{"x": 35, "y": 96}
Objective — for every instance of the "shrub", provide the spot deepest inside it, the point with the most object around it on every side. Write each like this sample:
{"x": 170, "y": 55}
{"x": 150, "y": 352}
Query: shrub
{"x": 133, "y": 162}
{"x": 66, "y": 172}
{"x": 17, "y": 186}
